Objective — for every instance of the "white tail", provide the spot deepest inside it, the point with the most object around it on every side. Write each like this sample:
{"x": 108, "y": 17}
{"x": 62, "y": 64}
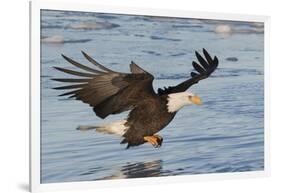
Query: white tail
{"x": 117, "y": 128}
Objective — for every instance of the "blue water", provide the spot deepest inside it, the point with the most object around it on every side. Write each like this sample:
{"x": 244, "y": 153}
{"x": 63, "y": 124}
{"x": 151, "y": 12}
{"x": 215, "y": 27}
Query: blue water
{"x": 225, "y": 134}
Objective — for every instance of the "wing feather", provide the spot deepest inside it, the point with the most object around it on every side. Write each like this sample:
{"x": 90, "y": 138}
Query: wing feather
{"x": 193, "y": 74}
{"x": 207, "y": 56}
{"x": 70, "y": 80}
{"x": 72, "y": 72}
{"x": 201, "y": 60}
{"x": 135, "y": 69}
{"x": 107, "y": 91}
{"x": 69, "y": 93}
{"x": 96, "y": 63}
{"x": 204, "y": 70}
{"x": 198, "y": 68}
{"x": 80, "y": 65}
{"x": 70, "y": 86}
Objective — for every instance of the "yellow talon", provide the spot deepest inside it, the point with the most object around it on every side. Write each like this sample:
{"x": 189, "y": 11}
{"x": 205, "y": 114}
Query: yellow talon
{"x": 154, "y": 140}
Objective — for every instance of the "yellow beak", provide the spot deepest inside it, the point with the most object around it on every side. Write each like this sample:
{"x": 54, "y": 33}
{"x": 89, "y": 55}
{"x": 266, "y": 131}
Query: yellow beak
{"x": 196, "y": 100}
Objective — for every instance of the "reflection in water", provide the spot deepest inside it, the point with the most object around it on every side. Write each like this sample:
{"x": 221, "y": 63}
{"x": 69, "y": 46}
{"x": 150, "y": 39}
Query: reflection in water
{"x": 138, "y": 170}
{"x": 142, "y": 169}
{"x": 135, "y": 170}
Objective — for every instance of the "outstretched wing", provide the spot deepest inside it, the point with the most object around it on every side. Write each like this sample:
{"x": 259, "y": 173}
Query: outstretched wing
{"x": 203, "y": 70}
{"x": 107, "y": 91}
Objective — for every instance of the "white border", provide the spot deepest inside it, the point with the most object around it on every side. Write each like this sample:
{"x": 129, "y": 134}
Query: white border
{"x": 35, "y": 7}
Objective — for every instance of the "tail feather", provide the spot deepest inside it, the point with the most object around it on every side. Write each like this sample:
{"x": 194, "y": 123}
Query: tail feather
{"x": 117, "y": 128}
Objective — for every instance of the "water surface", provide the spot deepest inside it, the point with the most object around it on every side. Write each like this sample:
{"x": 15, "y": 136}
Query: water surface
{"x": 225, "y": 134}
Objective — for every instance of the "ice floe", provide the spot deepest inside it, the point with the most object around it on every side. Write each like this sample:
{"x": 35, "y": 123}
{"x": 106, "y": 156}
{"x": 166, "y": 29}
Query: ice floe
{"x": 93, "y": 25}
{"x": 57, "y": 39}
{"x": 223, "y": 29}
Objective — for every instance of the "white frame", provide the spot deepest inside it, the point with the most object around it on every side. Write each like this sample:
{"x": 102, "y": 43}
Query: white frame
{"x": 35, "y": 8}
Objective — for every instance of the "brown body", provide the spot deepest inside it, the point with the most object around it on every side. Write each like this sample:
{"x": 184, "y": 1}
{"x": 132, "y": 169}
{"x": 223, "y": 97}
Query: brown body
{"x": 147, "y": 119}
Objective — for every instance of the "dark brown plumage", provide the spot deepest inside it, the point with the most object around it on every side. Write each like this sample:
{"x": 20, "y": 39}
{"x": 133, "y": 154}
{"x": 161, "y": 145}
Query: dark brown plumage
{"x": 110, "y": 92}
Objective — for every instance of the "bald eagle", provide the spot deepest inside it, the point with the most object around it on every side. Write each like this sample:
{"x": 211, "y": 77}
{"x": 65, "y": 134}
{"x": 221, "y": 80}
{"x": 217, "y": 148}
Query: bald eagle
{"x": 111, "y": 92}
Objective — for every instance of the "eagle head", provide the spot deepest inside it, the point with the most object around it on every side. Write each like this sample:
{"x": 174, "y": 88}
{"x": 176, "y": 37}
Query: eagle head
{"x": 176, "y": 101}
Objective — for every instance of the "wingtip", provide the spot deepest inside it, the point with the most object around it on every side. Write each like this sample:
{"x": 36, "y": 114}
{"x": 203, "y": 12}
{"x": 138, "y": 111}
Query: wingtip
{"x": 54, "y": 79}
{"x": 65, "y": 57}
{"x": 84, "y": 53}
{"x": 197, "y": 54}
{"x": 58, "y": 68}
{"x": 193, "y": 74}
{"x": 205, "y": 51}
{"x": 216, "y": 60}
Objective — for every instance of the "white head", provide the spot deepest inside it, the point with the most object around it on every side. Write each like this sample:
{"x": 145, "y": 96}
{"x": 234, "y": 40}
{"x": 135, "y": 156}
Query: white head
{"x": 178, "y": 100}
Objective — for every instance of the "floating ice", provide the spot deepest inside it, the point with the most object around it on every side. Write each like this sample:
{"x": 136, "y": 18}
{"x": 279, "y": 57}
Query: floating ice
{"x": 53, "y": 39}
{"x": 93, "y": 25}
{"x": 57, "y": 39}
{"x": 227, "y": 30}
{"x": 223, "y": 29}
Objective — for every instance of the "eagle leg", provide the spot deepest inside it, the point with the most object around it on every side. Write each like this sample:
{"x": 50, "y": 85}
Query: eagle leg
{"x": 155, "y": 140}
